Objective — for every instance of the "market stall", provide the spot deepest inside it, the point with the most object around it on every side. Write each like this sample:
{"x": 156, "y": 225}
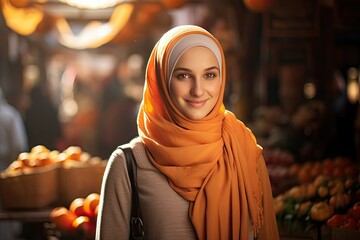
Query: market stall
{"x": 40, "y": 184}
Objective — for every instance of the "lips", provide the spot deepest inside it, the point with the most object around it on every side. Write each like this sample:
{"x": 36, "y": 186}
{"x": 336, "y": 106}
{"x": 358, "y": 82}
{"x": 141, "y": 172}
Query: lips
{"x": 196, "y": 103}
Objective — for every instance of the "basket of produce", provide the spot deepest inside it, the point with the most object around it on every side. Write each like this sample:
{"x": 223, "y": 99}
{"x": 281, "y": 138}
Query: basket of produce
{"x": 79, "y": 174}
{"x": 30, "y": 181}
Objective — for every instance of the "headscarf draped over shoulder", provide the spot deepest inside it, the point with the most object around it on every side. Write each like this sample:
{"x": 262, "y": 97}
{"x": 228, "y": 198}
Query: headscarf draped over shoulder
{"x": 211, "y": 162}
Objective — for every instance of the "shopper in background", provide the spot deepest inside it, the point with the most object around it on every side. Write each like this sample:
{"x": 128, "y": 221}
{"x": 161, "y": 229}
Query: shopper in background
{"x": 41, "y": 119}
{"x": 118, "y": 112}
{"x": 12, "y": 142}
{"x": 13, "y": 138}
{"x": 200, "y": 172}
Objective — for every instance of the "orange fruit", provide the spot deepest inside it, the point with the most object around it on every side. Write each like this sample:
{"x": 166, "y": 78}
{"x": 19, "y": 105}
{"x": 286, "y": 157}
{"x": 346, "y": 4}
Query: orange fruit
{"x": 27, "y": 159}
{"x": 77, "y": 207}
{"x": 44, "y": 159}
{"x": 96, "y": 211}
{"x": 23, "y": 156}
{"x": 84, "y": 225}
{"x": 39, "y": 149}
{"x": 62, "y": 217}
{"x": 73, "y": 152}
{"x": 90, "y": 204}
{"x": 61, "y": 157}
{"x": 15, "y": 165}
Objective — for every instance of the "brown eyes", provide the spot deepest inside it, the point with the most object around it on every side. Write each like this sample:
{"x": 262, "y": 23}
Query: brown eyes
{"x": 210, "y": 75}
{"x": 182, "y": 76}
{"x": 186, "y": 75}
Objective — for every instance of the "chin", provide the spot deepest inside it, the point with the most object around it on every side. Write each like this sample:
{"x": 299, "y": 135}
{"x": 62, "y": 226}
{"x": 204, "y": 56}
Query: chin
{"x": 195, "y": 116}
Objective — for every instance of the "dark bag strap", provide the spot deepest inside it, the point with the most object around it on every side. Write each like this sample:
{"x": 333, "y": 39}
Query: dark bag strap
{"x": 136, "y": 224}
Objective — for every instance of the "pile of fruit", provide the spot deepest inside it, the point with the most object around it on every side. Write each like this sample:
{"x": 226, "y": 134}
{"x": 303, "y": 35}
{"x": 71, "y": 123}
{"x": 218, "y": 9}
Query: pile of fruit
{"x": 278, "y": 162}
{"x": 323, "y": 199}
{"x": 337, "y": 167}
{"x": 79, "y": 219}
{"x": 40, "y": 157}
{"x": 347, "y": 220}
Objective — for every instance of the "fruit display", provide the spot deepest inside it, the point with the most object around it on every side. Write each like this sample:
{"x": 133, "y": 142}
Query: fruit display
{"x": 30, "y": 162}
{"x": 78, "y": 219}
{"x": 333, "y": 167}
{"x": 43, "y": 177}
{"x": 278, "y": 162}
{"x": 328, "y": 194}
{"x": 40, "y": 156}
{"x": 347, "y": 220}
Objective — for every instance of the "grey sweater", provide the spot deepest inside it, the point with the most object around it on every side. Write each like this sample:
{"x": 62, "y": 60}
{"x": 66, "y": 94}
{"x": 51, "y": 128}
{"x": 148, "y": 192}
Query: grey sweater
{"x": 164, "y": 212}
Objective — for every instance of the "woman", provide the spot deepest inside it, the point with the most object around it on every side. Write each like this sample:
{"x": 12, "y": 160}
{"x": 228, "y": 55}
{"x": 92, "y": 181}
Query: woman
{"x": 200, "y": 173}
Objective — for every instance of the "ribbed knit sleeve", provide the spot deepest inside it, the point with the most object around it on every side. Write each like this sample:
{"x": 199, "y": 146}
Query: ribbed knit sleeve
{"x": 115, "y": 203}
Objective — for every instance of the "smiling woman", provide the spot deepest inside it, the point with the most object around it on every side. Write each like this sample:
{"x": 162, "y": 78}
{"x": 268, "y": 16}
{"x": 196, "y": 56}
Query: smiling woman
{"x": 195, "y": 82}
{"x": 200, "y": 172}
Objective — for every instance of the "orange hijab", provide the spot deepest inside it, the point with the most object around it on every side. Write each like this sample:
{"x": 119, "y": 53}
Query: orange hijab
{"x": 211, "y": 162}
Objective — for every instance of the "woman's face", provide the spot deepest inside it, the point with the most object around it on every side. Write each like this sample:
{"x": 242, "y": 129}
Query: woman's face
{"x": 195, "y": 82}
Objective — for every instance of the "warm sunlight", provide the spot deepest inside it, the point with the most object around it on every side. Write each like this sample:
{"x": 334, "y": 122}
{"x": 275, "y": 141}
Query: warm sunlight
{"x": 92, "y": 4}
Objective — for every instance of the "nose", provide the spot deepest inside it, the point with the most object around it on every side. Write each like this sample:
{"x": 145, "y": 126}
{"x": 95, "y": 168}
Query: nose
{"x": 197, "y": 88}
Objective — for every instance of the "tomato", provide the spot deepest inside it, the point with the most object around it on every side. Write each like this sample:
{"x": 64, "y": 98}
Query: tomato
{"x": 336, "y": 220}
{"x": 349, "y": 223}
{"x": 354, "y": 211}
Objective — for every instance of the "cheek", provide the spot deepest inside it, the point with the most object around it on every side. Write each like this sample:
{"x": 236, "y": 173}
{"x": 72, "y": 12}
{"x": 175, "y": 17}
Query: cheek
{"x": 214, "y": 89}
{"x": 175, "y": 93}
{"x": 177, "y": 89}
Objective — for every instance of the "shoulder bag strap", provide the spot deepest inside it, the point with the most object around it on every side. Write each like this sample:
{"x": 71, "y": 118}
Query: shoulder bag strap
{"x": 136, "y": 224}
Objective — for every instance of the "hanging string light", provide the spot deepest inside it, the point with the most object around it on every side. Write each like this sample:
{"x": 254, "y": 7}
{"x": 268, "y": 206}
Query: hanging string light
{"x": 92, "y": 4}
{"x": 353, "y": 85}
{"x": 26, "y": 17}
{"x": 95, "y": 33}
{"x": 22, "y": 20}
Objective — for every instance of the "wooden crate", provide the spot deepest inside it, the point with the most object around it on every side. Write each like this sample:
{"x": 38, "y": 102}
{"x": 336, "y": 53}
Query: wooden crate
{"x": 79, "y": 181}
{"x": 30, "y": 189}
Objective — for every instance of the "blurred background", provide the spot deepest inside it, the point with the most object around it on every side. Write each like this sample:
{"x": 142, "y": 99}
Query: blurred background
{"x": 72, "y": 75}
{"x": 75, "y": 69}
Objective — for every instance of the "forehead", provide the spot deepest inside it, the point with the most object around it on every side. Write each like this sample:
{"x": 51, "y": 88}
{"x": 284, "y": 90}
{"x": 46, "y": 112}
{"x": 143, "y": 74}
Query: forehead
{"x": 198, "y": 55}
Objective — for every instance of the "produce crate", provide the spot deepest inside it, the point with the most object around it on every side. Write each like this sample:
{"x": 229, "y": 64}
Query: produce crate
{"x": 289, "y": 232}
{"x": 339, "y": 234}
{"x": 79, "y": 181}
{"x": 29, "y": 188}
{"x": 297, "y": 231}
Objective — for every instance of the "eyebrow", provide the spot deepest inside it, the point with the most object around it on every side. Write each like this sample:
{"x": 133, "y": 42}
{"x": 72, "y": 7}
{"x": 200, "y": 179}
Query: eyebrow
{"x": 187, "y": 69}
